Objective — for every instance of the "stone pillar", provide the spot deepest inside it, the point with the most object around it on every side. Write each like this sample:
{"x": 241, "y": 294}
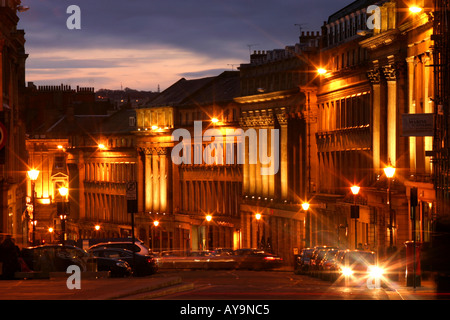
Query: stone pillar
{"x": 412, "y": 109}
{"x": 163, "y": 181}
{"x": 391, "y": 77}
{"x": 148, "y": 181}
{"x": 374, "y": 76}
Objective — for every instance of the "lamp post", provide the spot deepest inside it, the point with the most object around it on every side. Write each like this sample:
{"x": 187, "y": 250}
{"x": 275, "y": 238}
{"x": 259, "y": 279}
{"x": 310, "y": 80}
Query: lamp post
{"x": 208, "y": 220}
{"x": 155, "y": 225}
{"x": 389, "y": 171}
{"x": 258, "y": 236}
{"x": 63, "y": 191}
{"x": 305, "y": 207}
{"x": 355, "y": 212}
{"x": 33, "y": 175}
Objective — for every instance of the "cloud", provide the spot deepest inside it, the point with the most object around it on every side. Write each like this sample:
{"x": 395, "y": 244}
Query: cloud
{"x": 152, "y": 42}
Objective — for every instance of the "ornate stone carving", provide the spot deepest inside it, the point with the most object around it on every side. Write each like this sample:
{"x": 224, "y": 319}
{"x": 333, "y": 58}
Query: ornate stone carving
{"x": 374, "y": 76}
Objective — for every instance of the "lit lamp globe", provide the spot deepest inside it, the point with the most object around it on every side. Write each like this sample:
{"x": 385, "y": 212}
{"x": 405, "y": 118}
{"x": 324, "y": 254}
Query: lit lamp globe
{"x": 305, "y": 206}
{"x": 33, "y": 174}
{"x": 355, "y": 190}
{"x": 63, "y": 191}
{"x": 389, "y": 171}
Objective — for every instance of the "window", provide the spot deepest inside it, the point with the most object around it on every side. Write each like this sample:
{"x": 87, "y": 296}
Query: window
{"x": 60, "y": 162}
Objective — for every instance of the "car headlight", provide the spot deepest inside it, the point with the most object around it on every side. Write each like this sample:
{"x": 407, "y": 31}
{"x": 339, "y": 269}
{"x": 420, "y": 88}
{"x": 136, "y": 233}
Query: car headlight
{"x": 346, "y": 271}
{"x": 376, "y": 272}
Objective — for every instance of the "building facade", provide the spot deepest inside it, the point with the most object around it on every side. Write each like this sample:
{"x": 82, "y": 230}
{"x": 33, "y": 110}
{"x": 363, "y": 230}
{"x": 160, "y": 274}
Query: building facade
{"x": 376, "y": 78}
{"x": 277, "y": 89}
{"x": 13, "y": 156}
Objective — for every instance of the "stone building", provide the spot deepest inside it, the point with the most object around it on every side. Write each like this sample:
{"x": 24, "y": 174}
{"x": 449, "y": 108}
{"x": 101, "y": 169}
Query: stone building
{"x": 374, "y": 78}
{"x": 277, "y": 93}
{"x": 13, "y": 156}
{"x": 181, "y": 195}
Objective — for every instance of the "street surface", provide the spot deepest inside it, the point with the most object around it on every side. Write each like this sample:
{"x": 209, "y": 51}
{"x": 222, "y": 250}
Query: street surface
{"x": 265, "y": 285}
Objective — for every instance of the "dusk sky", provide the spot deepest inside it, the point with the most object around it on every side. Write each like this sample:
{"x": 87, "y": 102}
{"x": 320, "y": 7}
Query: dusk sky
{"x": 141, "y": 44}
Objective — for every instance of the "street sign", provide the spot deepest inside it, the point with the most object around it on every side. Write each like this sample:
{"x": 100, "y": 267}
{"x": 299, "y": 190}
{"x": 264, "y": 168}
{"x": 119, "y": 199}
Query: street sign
{"x": 418, "y": 125}
{"x": 131, "y": 190}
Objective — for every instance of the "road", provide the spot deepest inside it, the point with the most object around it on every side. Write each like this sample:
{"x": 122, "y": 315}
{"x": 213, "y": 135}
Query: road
{"x": 265, "y": 285}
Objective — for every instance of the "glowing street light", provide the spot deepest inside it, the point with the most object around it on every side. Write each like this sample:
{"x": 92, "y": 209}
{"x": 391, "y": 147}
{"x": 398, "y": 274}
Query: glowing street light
{"x": 415, "y": 9}
{"x": 33, "y": 175}
{"x": 321, "y": 71}
{"x": 101, "y": 146}
{"x": 63, "y": 191}
{"x": 156, "y": 223}
{"x": 355, "y": 190}
{"x": 389, "y": 171}
{"x": 305, "y": 206}
{"x": 97, "y": 227}
{"x": 354, "y": 211}
{"x": 208, "y": 218}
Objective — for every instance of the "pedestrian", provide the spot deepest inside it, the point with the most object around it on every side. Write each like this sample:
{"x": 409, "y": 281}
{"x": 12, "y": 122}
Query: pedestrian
{"x": 10, "y": 258}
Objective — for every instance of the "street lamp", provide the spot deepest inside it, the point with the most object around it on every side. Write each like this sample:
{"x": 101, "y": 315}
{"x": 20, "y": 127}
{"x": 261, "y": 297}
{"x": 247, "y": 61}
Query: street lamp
{"x": 415, "y": 9}
{"x": 258, "y": 235}
{"x": 355, "y": 212}
{"x": 155, "y": 225}
{"x": 389, "y": 171}
{"x": 63, "y": 191}
{"x": 321, "y": 71}
{"x": 305, "y": 207}
{"x": 208, "y": 219}
{"x": 33, "y": 175}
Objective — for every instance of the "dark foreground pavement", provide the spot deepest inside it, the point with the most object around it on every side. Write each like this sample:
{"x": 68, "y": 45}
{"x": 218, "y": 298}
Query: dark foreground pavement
{"x": 156, "y": 286}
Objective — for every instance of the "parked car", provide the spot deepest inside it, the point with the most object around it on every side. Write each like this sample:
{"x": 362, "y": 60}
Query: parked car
{"x": 302, "y": 261}
{"x": 256, "y": 259}
{"x": 327, "y": 263}
{"x": 142, "y": 265}
{"x": 138, "y": 246}
{"x": 55, "y": 258}
{"x": 356, "y": 266}
{"x": 316, "y": 258}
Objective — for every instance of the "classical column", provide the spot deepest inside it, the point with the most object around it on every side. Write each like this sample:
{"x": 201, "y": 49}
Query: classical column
{"x": 374, "y": 76}
{"x": 412, "y": 109}
{"x": 156, "y": 183}
{"x": 163, "y": 180}
{"x": 148, "y": 181}
{"x": 282, "y": 120}
{"x": 391, "y": 77}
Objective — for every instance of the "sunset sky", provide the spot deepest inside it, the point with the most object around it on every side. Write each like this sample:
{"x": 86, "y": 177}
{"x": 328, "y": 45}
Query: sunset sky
{"x": 141, "y": 44}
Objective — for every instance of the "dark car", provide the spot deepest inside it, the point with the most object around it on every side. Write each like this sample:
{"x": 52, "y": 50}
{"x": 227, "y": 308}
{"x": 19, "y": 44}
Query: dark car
{"x": 138, "y": 246}
{"x": 58, "y": 257}
{"x": 254, "y": 259}
{"x": 55, "y": 258}
{"x": 317, "y": 256}
{"x": 327, "y": 263}
{"x": 302, "y": 261}
{"x": 142, "y": 265}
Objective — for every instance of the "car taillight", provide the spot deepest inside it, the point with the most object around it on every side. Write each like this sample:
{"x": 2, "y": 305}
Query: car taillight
{"x": 149, "y": 260}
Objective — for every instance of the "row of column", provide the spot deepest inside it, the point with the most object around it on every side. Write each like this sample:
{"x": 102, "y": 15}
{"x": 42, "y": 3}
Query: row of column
{"x": 156, "y": 181}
